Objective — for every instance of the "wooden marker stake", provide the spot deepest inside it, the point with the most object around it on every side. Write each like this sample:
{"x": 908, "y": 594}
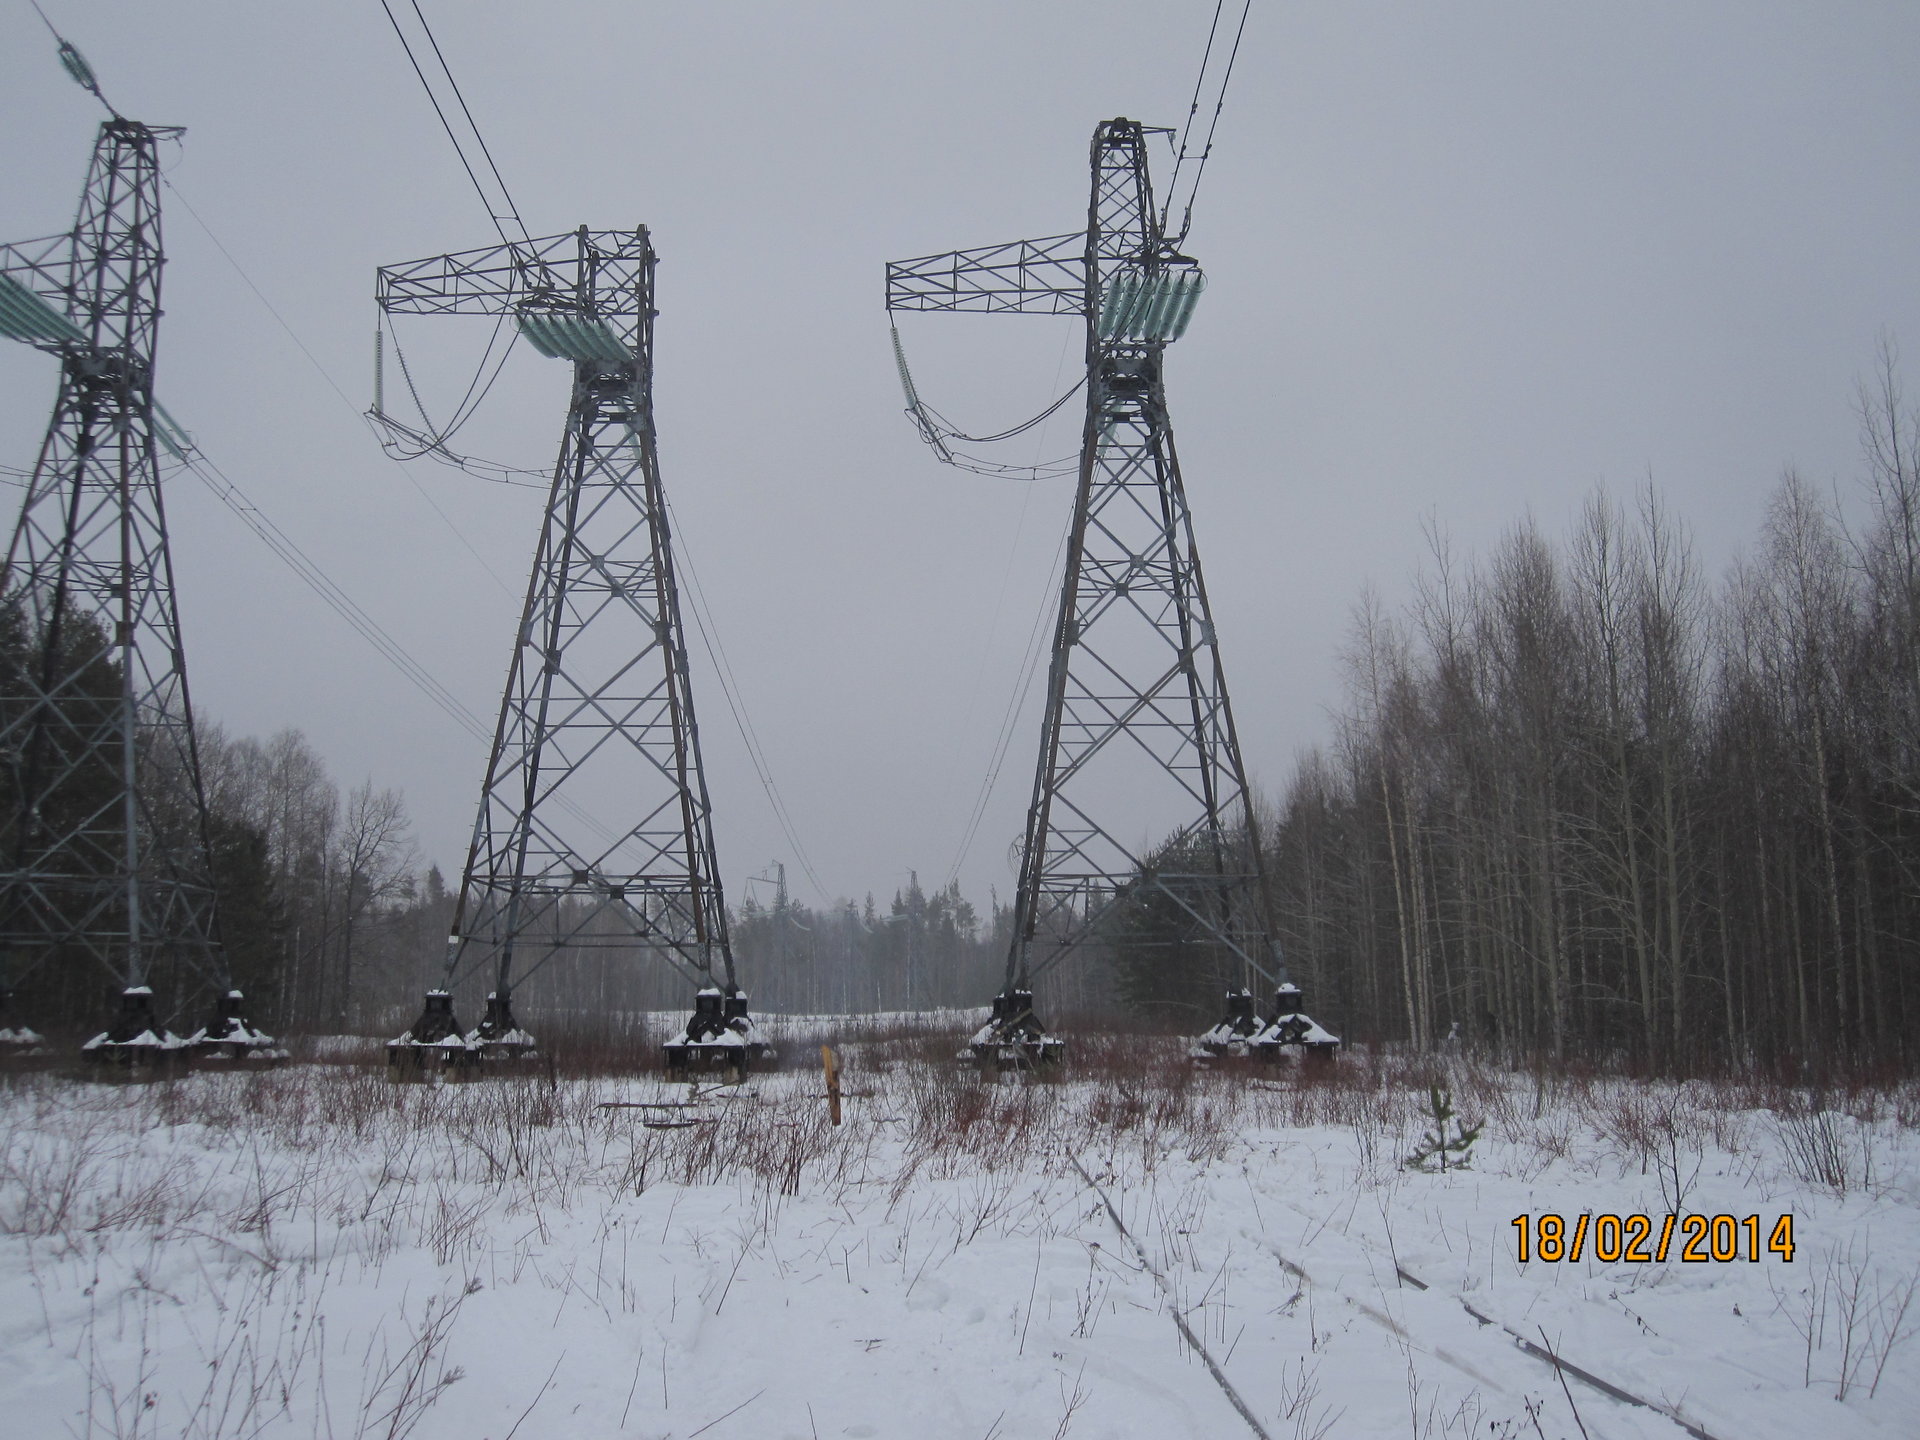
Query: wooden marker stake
{"x": 832, "y": 1067}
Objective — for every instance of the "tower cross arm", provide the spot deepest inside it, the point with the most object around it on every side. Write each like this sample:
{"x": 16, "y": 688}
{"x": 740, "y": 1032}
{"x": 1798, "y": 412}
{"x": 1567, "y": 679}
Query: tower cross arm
{"x": 39, "y": 264}
{"x": 1028, "y": 277}
{"x": 574, "y": 268}
{"x": 470, "y": 282}
{"x": 35, "y": 294}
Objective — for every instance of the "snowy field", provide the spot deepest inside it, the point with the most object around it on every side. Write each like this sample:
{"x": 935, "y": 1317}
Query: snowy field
{"x": 314, "y": 1252}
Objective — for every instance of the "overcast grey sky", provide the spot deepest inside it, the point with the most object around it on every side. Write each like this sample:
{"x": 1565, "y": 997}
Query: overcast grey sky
{"x": 1466, "y": 260}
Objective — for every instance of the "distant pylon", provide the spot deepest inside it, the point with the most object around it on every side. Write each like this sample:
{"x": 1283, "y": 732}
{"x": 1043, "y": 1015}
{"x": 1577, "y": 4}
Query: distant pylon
{"x": 594, "y": 830}
{"x": 1137, "y": 737}
{"x": 105, "y": 852}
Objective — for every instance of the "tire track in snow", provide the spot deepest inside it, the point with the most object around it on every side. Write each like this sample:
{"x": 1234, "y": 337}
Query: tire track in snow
{"x": 1382, "y": 1319}
{"x": 1605, "y": 1387}
{"x": 1527, "y": 1347}
{"x": 1173, "y": 1307}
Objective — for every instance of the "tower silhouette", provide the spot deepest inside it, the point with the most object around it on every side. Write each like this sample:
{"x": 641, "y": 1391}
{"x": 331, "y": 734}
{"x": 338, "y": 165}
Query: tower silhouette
{"x": 594, "y": 830}
{"x": 106, "y": 850}
{"x": 1137, "y": 733}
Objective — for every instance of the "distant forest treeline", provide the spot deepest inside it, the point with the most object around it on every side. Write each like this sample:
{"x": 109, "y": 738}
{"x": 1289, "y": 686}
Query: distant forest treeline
{"x": 332, "y": 925}
{"x": 1584, "y": 801}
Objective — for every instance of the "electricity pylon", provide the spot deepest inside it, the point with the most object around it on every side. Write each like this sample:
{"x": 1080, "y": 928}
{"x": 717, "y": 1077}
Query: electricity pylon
{"x": 594, "y": 831}
{"x": 1137, "y": 730}
{"x": 105, "y": 853}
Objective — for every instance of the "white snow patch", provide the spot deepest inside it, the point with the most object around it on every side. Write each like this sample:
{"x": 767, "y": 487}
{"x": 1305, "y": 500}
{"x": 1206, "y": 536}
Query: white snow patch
{"x": 287, "y": 1253}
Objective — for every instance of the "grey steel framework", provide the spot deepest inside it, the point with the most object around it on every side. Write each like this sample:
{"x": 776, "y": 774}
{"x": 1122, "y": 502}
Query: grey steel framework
{"x": 106, "y": 850}
{"x": 1137, "y": 731}
{"x": 594, "y": 830}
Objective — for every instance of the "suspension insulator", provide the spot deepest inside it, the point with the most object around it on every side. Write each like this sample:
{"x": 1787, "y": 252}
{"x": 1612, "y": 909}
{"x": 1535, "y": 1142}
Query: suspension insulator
{"x": 1150, "y": 309}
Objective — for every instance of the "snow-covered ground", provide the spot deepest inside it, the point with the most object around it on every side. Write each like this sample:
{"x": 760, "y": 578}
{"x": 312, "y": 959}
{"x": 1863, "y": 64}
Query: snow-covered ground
{"x": 315, "y": 1252}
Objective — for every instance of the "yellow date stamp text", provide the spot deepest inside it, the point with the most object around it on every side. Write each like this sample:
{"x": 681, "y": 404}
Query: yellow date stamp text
{"x": 1648, "y": 1239}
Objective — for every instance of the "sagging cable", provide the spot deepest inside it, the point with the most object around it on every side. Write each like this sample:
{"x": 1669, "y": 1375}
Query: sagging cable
{"x": 937, "y": 431}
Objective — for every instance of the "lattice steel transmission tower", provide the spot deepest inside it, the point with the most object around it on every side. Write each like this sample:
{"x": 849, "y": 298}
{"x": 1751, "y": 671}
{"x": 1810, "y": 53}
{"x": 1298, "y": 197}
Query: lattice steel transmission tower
{"x": 594, "y": 831}
{"x": 1137, "y": 738}
{"x": 106, "y": 854}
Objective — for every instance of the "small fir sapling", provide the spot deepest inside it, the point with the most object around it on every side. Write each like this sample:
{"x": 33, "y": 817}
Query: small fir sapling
{"x": 1439, "y": 1150}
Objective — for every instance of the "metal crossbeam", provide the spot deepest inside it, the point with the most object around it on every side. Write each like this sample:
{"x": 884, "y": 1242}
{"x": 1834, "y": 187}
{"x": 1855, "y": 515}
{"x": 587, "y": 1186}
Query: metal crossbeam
{"x": 596, "y": 272}
{"x": 36, "y": 292}
{"x": 1030, "y": 277}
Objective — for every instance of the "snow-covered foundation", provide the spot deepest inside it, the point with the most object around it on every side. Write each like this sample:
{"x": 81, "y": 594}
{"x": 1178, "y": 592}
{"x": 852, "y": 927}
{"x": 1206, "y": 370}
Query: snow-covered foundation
{"x": 1291, "y": 1027}
{"x": 136, "y": 1038}
{"x": 16, "y": 1038}
{"x": 433, "y": 1045}
{"x": 498, "y": 1036}
{"x": 231, "y": 1036}
{"x": 1013, "y": 1037}
{"x": 720, "y": 1037}
{"x": 1234, "y": 1034}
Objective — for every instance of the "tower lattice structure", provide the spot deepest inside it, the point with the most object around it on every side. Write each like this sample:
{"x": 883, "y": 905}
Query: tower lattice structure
{"x": 1141, "y": 832}
{"x": 106, "y": 852}
{"x": 594, "y": 831}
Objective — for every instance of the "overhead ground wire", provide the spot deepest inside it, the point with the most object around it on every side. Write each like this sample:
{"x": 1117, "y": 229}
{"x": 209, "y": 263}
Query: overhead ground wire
{"x": 445, "y": 69}
{"x": 1220, "y": 103}
{"x": 1193, "y": 110}
{"x": 466, "y": 163}
{"x": 258, "y": 293}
